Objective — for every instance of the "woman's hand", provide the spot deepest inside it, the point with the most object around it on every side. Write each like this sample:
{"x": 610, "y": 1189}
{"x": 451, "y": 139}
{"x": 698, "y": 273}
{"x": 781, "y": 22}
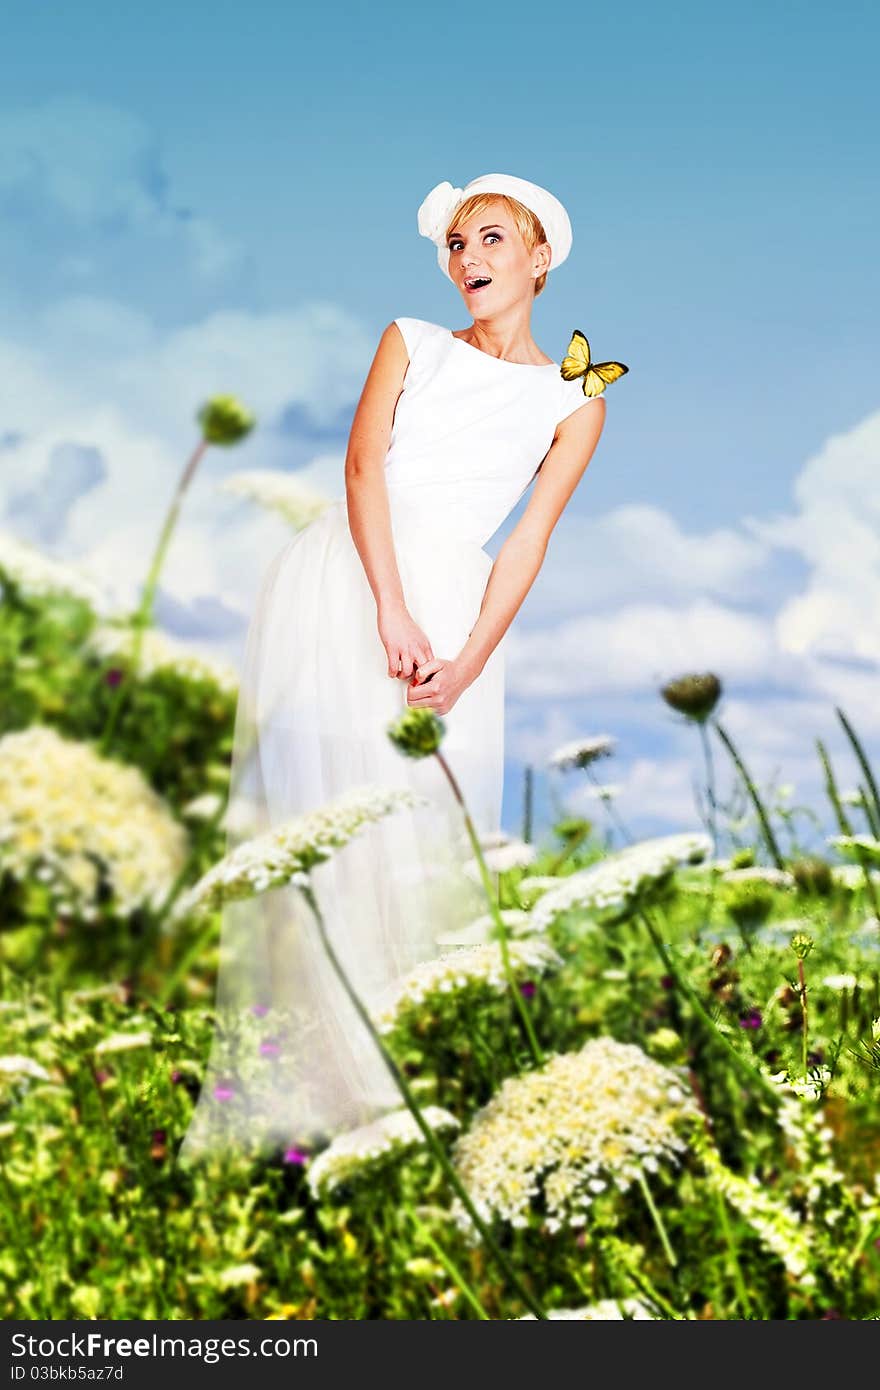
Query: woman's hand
{"x": 405, "y": 644}
{"x": 437, "y": 684}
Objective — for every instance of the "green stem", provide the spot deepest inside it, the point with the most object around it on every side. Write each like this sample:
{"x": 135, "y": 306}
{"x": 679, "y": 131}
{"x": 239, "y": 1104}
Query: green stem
{"x": 805, "y": 1029}
{"x": 449, "y": 1265}
{"x": 493, "y": 907}
{"x": 610, "y": 810}
{"x": 844, "y": 826}
{"x": 144, "y": 612}
{"x": 769, "y": 838}
{"x": 413, "y": 1106}
{"x": 710, "y": 785}
{"x": 657, "y": 1219}
{"x": 742, "y": 1292}
{"x": 862, "y": 760}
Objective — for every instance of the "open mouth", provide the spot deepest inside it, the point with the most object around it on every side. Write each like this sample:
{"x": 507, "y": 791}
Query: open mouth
{"x": 479, "y": 282}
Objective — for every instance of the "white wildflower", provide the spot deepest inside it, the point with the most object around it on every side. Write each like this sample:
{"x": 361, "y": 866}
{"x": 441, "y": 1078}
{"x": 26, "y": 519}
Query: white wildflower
{"x": 285, "y": 493}
{"x": 852, "y": 876}
{"x": 606, "y": 1310}
{"x": 66, "y": 813}
{"x": 851, "y": 845}
{"x": 840, "y": 982}
{"x": 761, "y": 873}
{"x": 852, "y": 796}
{"x": 23, "y": 1066}
{"x": 35, "y": 574}
{"x": 483, "y": 929}
{"x": 580, "y": 752}
{"x": 481, "y": 966}
{"x": 123, "y": 1042}
{"x": 356, "y": 1153}
{"x": 608, "y": 888}
{"x": 607, "y": 1113}
{"x": 204, "y": 807}
{"x": 236, "y": 1275}
{"x": 513, "y": 854}
{"x": 777, "y": 1226}
{"x": 159, "y": 652}
{"x": 286, "y": 854}
{"x": 534, "y": 884}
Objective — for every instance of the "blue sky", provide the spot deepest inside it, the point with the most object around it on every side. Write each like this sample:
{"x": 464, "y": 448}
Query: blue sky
{"x": 214, "y": 197}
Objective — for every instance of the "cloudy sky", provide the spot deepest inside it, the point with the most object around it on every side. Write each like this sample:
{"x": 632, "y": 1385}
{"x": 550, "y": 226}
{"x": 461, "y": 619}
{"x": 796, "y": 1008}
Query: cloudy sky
{"x": 207, "y": 198}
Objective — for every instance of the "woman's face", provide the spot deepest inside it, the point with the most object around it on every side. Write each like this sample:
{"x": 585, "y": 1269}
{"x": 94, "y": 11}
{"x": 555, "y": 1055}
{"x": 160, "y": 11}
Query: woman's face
{"x": 489, "y": 247}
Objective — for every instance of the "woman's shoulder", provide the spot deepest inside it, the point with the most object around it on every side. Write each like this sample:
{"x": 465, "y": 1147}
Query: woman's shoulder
{"x": 415, "y": 331}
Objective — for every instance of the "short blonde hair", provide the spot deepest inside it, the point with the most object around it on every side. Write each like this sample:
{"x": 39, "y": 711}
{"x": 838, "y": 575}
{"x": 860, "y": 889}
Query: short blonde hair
{"x": 527, "y": 223}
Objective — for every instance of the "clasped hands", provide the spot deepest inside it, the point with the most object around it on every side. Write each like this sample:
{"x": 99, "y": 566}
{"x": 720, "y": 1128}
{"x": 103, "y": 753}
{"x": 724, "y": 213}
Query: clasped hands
{"x": 434, "y": 682}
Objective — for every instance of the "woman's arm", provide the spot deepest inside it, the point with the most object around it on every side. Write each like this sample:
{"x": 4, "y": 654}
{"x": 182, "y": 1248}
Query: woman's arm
{"x": 522, "y": 554}
{"x": 369, "y": 515}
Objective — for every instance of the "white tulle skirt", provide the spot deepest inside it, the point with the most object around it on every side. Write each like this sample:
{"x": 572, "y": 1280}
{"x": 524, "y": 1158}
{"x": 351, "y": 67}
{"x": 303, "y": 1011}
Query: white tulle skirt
{"x": 291, "y": 1062}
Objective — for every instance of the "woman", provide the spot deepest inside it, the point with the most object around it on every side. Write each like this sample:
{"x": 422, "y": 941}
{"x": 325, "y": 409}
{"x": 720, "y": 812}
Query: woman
{"x": 389, "y": 601}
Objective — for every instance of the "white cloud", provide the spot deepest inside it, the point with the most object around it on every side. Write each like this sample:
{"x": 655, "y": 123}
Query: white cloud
{"x": 836, "y": 530}
{"x": 641, "y": 645}
{"x": 638, "y": 549}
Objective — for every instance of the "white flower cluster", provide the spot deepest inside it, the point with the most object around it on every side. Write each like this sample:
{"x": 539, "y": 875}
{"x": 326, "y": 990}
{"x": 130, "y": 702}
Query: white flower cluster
{"x": 606, "y": 1310}
{"x": 354, "y": 1154}
{"x": 850, "y": 845}
{"x": 852, "y": 876}
{"x": 16, "y": 1065}
{"x": 38, "y": 576}
{"x": 482, "y": 929}
{"x": 845, "y": 980}
{"x": 123, "y": 1042}
{"x": 760, "y": 873}
{"x": 161, "y": 653}
{"x": 581, "y": 752}
{"x": 777, "y": 1226}
{"x": 533, "y": 885}
{"x": 501, "y": 858}
{"x": 581, "y": 1123}
{"x": 481, "y": 965}
{"x": 286, "y": 854}
{"x": 811, "y": 1087}
{"x": 292, "y": 498}
{"x": 63, "y": 807}
{"x": 608, "y": 887}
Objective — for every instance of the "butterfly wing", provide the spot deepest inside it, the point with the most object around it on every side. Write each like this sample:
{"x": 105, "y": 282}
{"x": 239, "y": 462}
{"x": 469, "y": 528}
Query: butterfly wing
{"x": 577, "y": 360}
{"x": 600, "y": 375}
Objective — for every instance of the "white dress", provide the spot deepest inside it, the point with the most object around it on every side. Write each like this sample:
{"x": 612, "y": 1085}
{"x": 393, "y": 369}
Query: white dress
{"x": 291, "y": 1061}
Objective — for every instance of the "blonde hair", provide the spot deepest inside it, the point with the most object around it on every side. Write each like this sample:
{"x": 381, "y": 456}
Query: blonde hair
{"x": 527, "y": 223}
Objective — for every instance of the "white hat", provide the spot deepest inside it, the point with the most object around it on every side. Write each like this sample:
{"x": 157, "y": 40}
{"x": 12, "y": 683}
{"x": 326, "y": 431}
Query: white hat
{"x": 437, "y": 209}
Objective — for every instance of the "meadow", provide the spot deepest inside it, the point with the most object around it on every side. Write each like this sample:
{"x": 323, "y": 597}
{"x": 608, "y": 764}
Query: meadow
{"x": 647, "y": 1088}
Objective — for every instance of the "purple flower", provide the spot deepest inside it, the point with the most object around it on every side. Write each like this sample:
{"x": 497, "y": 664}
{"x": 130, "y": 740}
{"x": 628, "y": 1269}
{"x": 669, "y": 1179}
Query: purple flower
{"x": 270, "y": 1047}
{"x": 666, "y": 982}
{"x": 527, "y": 989}
{"x": 113, "y": 676}
{"x": 101, "y": 1076}
{"x": 295, "y": 1155}
{"x": 176, "y": 1076}
{"x": 751, "y": 1019}
{"x": 259, "y": 1010}
{"x": 224, "y": 1091}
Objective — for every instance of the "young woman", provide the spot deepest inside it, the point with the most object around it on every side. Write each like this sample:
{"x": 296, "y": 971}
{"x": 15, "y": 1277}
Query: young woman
{"x": 387, "y": 601}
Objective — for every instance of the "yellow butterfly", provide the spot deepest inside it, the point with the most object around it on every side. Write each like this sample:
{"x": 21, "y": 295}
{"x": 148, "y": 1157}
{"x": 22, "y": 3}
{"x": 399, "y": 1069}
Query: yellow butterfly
{"x": 596, "y": 375}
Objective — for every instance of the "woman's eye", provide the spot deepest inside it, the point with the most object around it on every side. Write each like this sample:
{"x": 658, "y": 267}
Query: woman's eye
{"x": 454, "y": 244}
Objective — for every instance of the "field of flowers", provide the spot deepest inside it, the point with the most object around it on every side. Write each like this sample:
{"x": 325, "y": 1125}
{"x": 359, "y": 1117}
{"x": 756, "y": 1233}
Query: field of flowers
{"x": 647, "y": 1088}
